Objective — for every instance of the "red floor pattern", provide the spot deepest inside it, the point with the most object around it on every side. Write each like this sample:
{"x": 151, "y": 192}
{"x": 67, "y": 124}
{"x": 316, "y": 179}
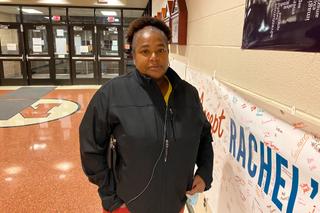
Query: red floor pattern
{"x": 40, "y": 167}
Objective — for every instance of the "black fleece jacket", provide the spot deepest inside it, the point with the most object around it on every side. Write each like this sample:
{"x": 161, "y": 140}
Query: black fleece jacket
{"x": 158, "y": 145}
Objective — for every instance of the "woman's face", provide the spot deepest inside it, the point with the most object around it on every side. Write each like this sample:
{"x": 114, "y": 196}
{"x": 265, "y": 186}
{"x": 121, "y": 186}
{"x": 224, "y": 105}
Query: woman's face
{"x": 150, "y": 52}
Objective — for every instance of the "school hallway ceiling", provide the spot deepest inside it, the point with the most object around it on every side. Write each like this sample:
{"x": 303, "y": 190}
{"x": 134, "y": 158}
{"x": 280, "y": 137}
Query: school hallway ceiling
{"x": 87, "y": 3}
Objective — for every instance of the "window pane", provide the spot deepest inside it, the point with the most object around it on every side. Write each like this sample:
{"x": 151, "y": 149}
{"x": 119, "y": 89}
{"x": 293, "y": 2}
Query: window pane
{"x": 9, "y": 41}
{"x": 128, "y": 59}
{"x": 109, "y": 69}
{"x": 35, "y": 14}
{"x": 40, "y": 69}
{"x": 59, "y": 15}
{"x": 12, "y": 69}
{"x": 130, "y": 15}
{"x": 9, "y": 14}
{"x": 126, "y": 44}
{"x": 84, "y": 69}
{"x": 60, "y": 41}
{"x": 109, "y": 42}
{"x": 37, "y": 39}
{"x": 104, "y": 16}
{"x": 83, "y": 43}
{"x": 81, "y": 16}
{"x": 62, "y": 69}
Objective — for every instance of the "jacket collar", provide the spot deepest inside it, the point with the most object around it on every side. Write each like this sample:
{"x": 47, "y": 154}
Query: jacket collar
{"x": 170, "y": 73}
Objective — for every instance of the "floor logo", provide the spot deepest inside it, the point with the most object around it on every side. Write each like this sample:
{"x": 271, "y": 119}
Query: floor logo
{"x": 43, "y": 110}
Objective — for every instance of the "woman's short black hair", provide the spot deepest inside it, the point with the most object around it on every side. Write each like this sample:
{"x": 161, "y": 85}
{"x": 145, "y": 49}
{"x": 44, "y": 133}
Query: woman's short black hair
{"x": 144, "y": 21}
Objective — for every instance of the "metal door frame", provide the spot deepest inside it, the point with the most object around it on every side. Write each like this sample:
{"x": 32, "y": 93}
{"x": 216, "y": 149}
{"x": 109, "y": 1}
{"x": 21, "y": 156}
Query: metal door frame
{"x": 44, "y": 57}
{"x": 118, "y": 58}
{"x": 11, "y": 57}
{"x": 74, "y": 57}
{"x": 62, "y": 81}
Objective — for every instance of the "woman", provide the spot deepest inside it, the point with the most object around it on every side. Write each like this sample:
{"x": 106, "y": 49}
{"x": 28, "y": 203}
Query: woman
{"x": 160, "y": 130}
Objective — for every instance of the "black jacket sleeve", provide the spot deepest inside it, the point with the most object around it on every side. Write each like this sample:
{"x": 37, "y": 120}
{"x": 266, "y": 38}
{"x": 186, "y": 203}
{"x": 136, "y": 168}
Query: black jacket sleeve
{"x": 205, "y": 152}
{"x": 94, "y": 131}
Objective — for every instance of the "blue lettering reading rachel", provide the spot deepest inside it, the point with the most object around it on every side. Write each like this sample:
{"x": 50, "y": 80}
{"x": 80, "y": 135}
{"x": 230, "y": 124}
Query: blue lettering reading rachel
{"x": 265, "y": 168}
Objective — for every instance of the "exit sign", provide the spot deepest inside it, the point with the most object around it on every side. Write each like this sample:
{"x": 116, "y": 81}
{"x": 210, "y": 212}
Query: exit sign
{"x": 111, "y": 19}
{"x": 56, "y": 18}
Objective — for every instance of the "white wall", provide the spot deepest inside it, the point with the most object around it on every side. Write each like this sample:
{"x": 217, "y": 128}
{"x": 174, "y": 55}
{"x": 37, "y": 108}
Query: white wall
{"x": 272, "y": 79}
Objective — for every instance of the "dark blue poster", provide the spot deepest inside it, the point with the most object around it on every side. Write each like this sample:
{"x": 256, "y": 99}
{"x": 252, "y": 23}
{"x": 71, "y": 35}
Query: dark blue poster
{"x": 282, "y": 25}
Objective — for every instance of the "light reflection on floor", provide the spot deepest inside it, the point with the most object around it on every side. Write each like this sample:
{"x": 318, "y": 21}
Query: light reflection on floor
{"x": 40, "y": 167}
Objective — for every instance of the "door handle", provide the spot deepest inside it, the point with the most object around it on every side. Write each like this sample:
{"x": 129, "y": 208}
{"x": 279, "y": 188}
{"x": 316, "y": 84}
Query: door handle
{"x": 109, "y": 58}
{"x": 12, "y": 57}
{"x": 38, "y": 57}
{"x": 84, "y": 58}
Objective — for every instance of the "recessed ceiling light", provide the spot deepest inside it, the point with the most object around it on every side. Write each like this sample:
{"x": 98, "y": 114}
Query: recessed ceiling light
{"x": 111, "y": 2}
{"x": 108, "y": 13}
{"x": 53, "y": 2}
{"x": 31, "y": 11}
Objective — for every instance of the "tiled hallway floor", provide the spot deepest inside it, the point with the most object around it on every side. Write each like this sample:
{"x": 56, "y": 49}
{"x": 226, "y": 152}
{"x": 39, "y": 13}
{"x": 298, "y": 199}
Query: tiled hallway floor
{"x": 40, "y": 168}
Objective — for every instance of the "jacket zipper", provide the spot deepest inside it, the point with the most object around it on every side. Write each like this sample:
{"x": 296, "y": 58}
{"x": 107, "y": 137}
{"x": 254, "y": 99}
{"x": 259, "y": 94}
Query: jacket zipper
{"x": 166, "y": 152}
{"x": 167, "y": 141}
{"x": 172, "y": 123}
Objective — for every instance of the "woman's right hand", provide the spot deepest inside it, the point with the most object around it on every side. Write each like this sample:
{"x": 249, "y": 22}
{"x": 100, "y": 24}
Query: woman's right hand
{"x": 123, "y": 206}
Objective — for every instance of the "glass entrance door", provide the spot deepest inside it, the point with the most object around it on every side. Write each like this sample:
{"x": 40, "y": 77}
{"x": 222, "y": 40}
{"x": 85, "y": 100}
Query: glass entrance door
{"x": 12, "y": 67}
{"x": 39, "y": 54}
{"x": 61, "y": 54}
{"x": 109, "y": 52}
{"x": 83, "y": 54}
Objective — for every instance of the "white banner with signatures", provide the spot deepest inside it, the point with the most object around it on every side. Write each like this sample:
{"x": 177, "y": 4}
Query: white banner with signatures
{"x": 261, "y": 164}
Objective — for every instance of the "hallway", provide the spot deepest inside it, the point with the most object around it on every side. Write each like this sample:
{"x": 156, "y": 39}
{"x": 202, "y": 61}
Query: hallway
{"x": 40, "y": 168}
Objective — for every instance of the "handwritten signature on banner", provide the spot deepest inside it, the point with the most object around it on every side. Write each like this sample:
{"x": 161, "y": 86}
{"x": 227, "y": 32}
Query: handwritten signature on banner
{"x": 316, "y": 145}
{"x": 245, "y": 158}
{"x": 302, "y": 142}
{"x": 243, "y": 154}
{"x": 273, "y": 176}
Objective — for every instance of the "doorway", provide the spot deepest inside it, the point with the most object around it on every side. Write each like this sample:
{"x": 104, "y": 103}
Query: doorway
{"x": 43, "y": 45}
{"x": 12, "y": 66}
{"x": 39, "y": 49}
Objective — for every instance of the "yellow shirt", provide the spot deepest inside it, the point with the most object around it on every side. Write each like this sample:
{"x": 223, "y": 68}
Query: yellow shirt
{"x": 167, "y": 95}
